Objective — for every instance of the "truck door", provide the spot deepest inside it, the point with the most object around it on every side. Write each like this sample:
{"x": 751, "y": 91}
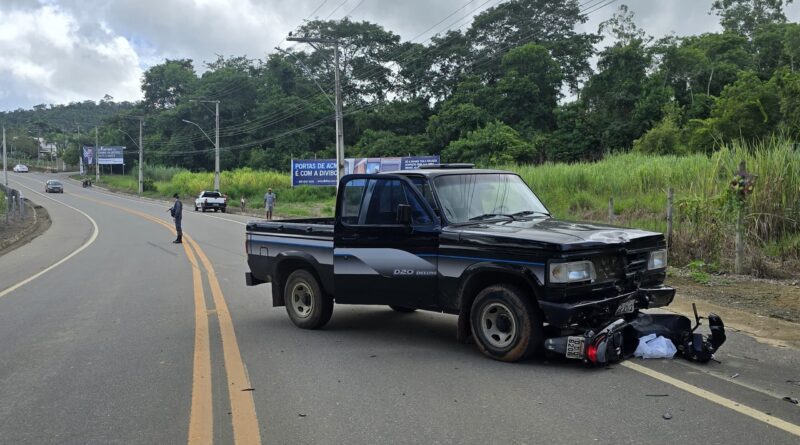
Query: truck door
{"x": 385, "y": 243}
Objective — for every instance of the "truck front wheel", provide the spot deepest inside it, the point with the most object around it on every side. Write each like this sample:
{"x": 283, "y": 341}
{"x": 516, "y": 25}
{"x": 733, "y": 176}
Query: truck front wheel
{"x": 307, "y": 305}
{"x": 507, "y": 326}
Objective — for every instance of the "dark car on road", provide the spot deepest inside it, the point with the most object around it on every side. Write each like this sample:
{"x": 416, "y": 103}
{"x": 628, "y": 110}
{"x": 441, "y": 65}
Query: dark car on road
{"x": 53, "y": 186}
{"x": 470, "y": 242}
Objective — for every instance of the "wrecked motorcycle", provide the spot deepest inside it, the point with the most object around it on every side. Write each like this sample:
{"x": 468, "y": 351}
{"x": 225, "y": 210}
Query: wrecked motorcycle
{"x": 617, "y": 340}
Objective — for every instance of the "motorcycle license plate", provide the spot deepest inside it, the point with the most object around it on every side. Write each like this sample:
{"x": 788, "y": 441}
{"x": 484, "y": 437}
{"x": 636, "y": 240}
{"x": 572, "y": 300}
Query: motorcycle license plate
{"x": 626, "y": 307}
{"x": 575, "y": 347}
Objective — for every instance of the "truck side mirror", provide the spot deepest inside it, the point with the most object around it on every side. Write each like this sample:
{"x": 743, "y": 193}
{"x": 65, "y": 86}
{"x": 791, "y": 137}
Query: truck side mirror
{"x": 404, "y": 214}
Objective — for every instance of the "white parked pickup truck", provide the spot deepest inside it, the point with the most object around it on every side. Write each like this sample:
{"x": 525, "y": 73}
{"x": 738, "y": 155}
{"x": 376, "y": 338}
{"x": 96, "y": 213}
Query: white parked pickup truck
{"x": 211, "y": 201}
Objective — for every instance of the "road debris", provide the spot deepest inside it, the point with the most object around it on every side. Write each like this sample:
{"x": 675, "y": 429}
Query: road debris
{"x": 657, "y": 395}
{"x": 301, "y": 414}
{"x": 735, "y": 375}
{"x": 667, "y": 416}
{"x": 791, "y": 400}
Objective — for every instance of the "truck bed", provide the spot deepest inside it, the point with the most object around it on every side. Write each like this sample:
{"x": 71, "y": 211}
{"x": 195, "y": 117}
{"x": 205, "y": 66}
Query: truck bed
{"x": 311, "y": 227}
{"x": 268, "y": 242}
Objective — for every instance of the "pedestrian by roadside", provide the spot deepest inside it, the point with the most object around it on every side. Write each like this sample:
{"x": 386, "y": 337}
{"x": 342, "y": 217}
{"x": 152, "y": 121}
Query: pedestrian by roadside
{"x": 177, "y": 214}
{"x": 269, "y": 202}
{"x": 243, "y": 204}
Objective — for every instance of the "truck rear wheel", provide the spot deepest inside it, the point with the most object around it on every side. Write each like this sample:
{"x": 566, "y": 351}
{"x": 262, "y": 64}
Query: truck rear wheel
{"x": 507, "y": 326}
{"x": 307, "y": 305}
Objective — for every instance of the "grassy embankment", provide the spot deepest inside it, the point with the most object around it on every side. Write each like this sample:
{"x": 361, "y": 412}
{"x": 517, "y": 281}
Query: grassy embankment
{"x": 163, "y": 182}
{"x": 704, "y": 218}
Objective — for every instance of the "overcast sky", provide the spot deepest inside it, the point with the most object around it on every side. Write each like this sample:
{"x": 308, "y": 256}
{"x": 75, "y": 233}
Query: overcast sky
{"x": 57, "y": 51}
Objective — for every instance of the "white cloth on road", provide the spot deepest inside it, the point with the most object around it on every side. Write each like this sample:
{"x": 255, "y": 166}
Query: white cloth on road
{"x": 655, "y": 346}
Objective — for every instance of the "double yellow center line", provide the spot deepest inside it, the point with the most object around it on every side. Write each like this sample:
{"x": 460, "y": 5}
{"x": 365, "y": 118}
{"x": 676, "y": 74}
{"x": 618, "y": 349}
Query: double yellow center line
{"x": 201, "y": 418}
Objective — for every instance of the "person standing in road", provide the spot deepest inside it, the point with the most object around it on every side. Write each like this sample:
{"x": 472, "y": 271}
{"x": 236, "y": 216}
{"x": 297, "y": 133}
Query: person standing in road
{"x": 269, "y": 202}
{"x": 177, "y": 213}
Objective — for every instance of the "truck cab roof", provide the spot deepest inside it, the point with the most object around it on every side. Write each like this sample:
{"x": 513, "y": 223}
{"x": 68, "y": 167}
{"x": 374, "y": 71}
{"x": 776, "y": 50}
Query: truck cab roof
{"x": 434, "y": 172}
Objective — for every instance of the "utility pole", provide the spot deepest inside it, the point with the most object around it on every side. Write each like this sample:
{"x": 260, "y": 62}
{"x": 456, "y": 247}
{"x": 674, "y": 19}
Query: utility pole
{"x": 96, "y": 156}
{"x": 216, "y": 149}
{"x": 5, "y": 166}
{"x": 339, "y": 114}
{"x": 141, "y": 157}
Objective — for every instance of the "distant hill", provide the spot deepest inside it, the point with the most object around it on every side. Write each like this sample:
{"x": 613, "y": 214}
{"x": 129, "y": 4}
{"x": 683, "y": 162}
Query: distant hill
{"x": 73, "y": 117}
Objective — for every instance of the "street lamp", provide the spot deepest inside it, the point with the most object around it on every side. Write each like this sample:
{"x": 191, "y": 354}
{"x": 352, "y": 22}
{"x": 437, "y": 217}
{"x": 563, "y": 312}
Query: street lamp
{"x": 216, "y": 143}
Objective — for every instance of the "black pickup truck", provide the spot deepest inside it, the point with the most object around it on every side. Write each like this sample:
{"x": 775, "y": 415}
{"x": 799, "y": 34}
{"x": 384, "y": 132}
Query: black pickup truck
{"x": 470, "y": 242}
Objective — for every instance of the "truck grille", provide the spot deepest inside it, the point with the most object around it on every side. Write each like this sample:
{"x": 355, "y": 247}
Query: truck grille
{"x": 609, "y": 268}
{"x": 636, "y": 263}
{"x": 621, "y": 267}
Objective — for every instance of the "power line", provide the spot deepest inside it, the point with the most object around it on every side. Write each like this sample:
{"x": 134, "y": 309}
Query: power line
{"x": 297, "y": 109}
{"x": 357, "y": 6}
{"x": 336, "y": 9}
{"x": 319, "y": 122}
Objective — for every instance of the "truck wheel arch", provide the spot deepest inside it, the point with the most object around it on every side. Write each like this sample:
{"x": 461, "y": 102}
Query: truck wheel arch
{"x": 480, "y": 278}
{"x": 288, "y": 262}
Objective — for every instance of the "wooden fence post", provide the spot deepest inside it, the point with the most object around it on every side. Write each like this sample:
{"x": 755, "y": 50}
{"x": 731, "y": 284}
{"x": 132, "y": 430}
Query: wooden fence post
{"x": 737, "y": 262}
{"x": 669, "y": 217}
{"x": 611, "y": 210}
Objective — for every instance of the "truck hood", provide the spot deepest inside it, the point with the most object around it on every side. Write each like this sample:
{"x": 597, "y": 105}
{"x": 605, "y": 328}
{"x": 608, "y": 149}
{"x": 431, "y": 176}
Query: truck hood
{"x": 557, "y": 234}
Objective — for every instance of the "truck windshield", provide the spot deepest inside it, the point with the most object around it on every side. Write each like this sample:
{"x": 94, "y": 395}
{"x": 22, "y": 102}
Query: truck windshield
{"x": 473, "y": 197}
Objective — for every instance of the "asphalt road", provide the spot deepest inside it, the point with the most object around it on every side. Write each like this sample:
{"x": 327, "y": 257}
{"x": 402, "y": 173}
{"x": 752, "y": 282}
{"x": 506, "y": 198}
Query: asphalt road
{"x": 134, "y": 339}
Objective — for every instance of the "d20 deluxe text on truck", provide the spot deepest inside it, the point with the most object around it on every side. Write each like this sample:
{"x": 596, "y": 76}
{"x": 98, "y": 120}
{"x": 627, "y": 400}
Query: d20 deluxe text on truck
{"x": 474, "y": 243}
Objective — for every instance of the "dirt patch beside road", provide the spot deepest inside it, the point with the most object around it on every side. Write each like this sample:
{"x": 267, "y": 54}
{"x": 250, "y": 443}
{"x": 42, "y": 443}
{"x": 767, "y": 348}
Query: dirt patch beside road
{"x": 768, "y": 310}
{"x": 18, "y": 233}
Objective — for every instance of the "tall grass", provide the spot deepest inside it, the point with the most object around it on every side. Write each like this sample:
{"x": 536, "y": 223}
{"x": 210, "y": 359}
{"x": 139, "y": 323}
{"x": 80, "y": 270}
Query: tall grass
{"x": 247, "y": 183}
{"x": 703, "y": 215}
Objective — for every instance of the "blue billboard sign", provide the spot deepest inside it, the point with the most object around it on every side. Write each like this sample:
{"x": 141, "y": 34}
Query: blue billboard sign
{"x": 323, "y": 171}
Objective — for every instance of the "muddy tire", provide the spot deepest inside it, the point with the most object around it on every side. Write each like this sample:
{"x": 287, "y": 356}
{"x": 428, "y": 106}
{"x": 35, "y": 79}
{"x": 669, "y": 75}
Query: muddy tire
{"x": 506, "y": 323}
{"x": 307, "y": 305}
{"x": 404, "y": 310}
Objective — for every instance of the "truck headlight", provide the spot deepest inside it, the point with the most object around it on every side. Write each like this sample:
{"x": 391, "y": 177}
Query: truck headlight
{"x": 574, "y": 272}
{"x": 657, "y": 260}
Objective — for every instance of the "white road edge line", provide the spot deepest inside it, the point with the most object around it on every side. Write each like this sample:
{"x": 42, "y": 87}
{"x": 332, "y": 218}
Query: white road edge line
{"x": 716, "y": 398}
{"x": 96, "y": 231}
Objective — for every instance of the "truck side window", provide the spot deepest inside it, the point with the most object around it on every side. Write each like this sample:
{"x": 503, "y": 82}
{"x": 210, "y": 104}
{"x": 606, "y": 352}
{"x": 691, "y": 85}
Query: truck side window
{"x": 424, "y": 189}
{"x": 385, "y": 196}
{"x": 351, "y": 200}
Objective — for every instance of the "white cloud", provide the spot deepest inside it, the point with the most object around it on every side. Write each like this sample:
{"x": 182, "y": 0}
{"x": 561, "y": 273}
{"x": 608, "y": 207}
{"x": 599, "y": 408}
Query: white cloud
{"x": 47, "y": 57}
{"x": 56, "y": 51}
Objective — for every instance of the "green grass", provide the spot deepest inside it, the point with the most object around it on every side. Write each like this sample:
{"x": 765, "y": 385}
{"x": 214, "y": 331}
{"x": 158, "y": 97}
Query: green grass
{"x": 703, "y": 214}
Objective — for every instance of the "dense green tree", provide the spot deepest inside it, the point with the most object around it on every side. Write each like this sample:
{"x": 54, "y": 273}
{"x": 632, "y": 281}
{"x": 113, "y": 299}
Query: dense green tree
{"x": 573, "y": 139}
{"x": 454, "y": 121}
{"x": 748, "y": 109}
{"x": 746, "y": 16}
{"x": 551, "y": 24}
{"x": 386, "y": 143}
{"x": 164, "y": 84}
{"x": 527, "y": 93}
{"x": 611, "y": 95}
{"x": 496, "y": 143}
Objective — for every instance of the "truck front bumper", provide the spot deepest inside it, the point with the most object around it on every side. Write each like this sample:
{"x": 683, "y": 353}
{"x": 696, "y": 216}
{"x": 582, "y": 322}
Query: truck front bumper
{"x": 567, "y": 314}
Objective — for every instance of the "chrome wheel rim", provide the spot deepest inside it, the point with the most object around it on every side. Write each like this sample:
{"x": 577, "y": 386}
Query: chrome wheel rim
{"x": 302, "y": 300}
{"x": 498, "y": 325}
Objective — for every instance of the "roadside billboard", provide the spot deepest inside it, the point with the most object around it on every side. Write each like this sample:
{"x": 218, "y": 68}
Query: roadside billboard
{"x": 105, "y": 155}
{"x": 323, "y": 171}
{"x": 87, "y": 156}
{"x": 110, "y": 155}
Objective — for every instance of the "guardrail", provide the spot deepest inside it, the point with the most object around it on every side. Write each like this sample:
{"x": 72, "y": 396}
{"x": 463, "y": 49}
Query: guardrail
{"x": 14, "y": 203}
